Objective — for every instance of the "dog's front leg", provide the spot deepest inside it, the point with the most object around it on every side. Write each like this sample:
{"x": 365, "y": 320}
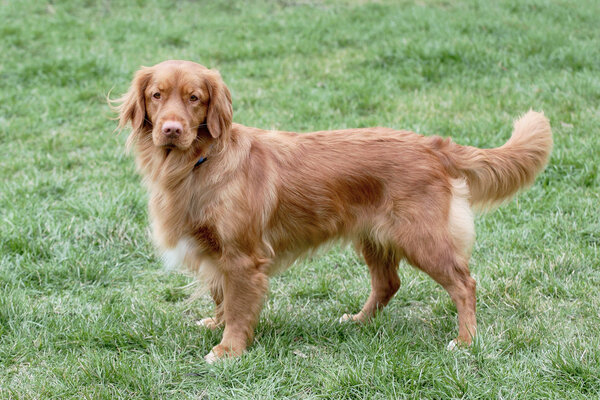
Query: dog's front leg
{"x": 212, "y": 323}
{"x": 244, "y": 289}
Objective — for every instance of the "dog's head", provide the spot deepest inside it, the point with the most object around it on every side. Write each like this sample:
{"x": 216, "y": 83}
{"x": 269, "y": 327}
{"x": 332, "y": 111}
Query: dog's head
{"x": 176, "y": 102}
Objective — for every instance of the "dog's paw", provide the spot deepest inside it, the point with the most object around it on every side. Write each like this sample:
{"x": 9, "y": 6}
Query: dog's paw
{"x": 217, "y": 353}
{"x": 211, "y": 357}
{"x": 350, "y": 318}
{"x": 220, "y": 352}
{"x": 208, "y": 323}
{"x": 345, "y": 318}
{"x": 458, "y": 343}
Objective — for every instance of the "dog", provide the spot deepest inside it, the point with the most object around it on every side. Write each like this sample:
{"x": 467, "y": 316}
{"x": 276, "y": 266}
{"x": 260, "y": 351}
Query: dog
{"x": 234, "y": 205}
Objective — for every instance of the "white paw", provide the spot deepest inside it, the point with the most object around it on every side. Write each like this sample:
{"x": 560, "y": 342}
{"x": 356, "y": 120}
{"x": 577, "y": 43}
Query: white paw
{"x": 208, "y": 323}
{"x": 345, "y": 318}
{"x": 211, "y": 357}
{"x": 452, "y": 345}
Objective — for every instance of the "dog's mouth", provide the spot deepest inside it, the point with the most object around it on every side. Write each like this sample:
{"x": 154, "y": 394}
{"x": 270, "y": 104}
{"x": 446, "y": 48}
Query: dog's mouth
{"x": 167, "y": 148}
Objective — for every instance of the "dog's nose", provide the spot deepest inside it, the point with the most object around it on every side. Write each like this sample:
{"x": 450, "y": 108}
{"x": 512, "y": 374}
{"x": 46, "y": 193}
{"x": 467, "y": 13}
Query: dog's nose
{"x": 172, "y": 128}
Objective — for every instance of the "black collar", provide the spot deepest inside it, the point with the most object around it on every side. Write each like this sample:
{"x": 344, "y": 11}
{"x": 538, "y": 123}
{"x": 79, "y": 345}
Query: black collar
{"x": 200, "y": 161}
{"x": 203, "y": 158}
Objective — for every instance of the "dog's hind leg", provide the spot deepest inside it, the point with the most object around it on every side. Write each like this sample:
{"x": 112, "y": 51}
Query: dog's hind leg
{"x": 438, "y": 258}
{"x": 383, "y": 267}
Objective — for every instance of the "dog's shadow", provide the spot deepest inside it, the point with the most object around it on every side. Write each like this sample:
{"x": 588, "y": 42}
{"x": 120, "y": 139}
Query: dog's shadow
{"x": 411, "y": 324}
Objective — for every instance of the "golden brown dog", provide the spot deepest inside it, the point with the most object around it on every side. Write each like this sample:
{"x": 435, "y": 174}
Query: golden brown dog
{"x": 234, "y": 204}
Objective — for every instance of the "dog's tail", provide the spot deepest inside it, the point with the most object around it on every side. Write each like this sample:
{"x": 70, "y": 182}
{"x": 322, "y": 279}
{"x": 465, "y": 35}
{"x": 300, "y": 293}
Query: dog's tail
{"x": 495, "y": 175}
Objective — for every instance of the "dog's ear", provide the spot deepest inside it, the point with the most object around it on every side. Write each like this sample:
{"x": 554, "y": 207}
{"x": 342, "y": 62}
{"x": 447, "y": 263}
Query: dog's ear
{"x": 220, "y": 111}
{"x": 132, "y": 106}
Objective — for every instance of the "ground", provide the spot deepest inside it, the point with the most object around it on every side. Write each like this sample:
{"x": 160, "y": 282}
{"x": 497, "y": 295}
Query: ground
{"x": 86, "y": 308}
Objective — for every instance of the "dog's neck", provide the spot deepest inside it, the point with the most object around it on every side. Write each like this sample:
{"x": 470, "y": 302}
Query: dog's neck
{"x": 207, "y": 162}
{"x": 203, "y": 156}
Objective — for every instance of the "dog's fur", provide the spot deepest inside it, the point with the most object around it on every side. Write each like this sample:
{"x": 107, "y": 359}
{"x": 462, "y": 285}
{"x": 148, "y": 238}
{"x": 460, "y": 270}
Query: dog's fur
{"x": 264, "y": 198}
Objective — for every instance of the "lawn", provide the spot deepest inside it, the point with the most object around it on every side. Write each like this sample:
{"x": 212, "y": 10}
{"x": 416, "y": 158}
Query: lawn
{"x": 87, "y": 310}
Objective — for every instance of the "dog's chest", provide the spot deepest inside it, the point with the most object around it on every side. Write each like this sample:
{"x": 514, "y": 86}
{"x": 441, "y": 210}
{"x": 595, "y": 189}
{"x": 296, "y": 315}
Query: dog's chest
{"x": 192, "y": 247}
{"x": 176, "y": 257}
{"x": 188, "y": 256}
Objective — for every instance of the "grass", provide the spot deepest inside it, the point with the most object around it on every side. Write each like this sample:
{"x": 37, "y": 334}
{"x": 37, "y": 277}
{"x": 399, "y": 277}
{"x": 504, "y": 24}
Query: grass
{"x": 86, "y": 309}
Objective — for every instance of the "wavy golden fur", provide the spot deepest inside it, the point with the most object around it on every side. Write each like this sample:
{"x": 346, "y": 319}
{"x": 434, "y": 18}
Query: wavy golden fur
{"x": 261, "y": 199}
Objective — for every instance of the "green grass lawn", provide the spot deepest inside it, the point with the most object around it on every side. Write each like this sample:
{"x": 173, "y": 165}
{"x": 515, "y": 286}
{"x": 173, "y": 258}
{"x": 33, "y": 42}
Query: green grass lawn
{"x": 86, "y": 308}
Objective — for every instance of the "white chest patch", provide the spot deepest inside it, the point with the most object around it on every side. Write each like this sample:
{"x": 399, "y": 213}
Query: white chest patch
{"x": 174, "y": 258}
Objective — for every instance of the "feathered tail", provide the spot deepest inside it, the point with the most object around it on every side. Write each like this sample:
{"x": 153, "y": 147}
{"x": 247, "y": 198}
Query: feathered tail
{"x": 495, "y": 175}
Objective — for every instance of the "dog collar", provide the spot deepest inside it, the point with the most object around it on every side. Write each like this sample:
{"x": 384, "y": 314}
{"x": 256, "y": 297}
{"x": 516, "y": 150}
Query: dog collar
{"x": 200, "y": 161}
{"x": 202, "y": 158}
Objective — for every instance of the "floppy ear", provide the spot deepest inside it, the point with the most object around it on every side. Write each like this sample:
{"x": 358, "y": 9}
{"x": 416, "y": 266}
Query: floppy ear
{"x": 220, "y": 111}
{"x": 132, "y": 106}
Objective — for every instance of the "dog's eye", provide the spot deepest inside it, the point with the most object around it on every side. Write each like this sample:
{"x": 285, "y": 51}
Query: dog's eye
{"x": 156, "y": 95}
{"x": 193, "y": 98}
